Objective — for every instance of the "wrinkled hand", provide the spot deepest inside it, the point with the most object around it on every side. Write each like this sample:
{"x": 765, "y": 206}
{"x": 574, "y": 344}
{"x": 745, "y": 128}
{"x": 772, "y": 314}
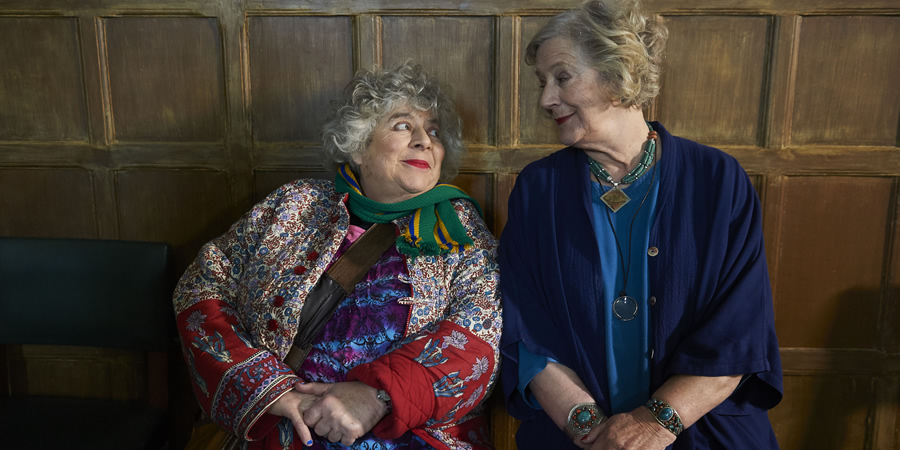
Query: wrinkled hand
{"x": 636, "y": 429}
{"x": 292, "y": 405}
{"x": 344, "y": 411}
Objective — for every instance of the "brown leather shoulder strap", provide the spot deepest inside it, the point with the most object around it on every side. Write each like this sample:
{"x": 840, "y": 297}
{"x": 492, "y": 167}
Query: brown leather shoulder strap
{"x": 334, "y": 285}
{"x": 353, "y": 265}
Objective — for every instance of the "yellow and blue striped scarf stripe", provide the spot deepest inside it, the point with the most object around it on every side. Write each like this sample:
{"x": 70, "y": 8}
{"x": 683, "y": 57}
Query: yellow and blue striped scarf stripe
{"x": 349, "y": 178}
{"x": 442, "y": 236}
{"x": 412, "y": 233}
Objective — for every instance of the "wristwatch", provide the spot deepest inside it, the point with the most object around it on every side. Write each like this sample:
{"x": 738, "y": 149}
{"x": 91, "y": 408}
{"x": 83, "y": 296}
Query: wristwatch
{"x": 385, "y": 398}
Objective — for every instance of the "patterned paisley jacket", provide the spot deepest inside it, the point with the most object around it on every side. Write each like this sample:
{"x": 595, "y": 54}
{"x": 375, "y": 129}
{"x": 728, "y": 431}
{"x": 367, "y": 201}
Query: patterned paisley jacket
{"x": 238, "y": 303}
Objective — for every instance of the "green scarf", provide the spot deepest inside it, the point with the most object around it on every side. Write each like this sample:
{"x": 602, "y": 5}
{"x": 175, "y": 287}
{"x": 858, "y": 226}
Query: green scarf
{"x": 434, "y": 228}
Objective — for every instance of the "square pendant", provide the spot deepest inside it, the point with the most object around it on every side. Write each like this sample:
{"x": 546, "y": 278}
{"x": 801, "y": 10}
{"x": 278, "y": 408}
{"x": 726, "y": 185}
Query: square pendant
{"x": 615, "y": 199}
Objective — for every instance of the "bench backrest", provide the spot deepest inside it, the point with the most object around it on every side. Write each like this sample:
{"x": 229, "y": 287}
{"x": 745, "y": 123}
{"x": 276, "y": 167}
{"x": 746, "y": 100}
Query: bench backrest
{"x": 85, "y": 292}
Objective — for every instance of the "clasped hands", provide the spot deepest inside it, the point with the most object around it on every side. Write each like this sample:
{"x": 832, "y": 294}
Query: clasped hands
{"x": 636, "y": 429}
{"x": 340, "y": 412}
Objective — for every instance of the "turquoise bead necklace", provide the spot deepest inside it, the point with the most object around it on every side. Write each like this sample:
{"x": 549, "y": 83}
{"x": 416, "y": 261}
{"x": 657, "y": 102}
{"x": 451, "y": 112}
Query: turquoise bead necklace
{"x": 616, "y": 198}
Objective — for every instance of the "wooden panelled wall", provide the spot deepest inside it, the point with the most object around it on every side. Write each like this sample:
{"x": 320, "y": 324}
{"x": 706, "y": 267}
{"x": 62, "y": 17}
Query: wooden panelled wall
{"x": 165, "y": 120}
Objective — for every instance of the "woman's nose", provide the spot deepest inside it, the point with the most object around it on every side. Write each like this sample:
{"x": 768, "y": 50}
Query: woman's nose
{"x": 420, "y": 139}
{"x": 549, "y": 97}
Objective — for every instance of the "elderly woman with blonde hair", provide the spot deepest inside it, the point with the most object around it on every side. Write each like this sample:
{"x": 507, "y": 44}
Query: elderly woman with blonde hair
{"x": 637, "y": 306}
{"x": 408, "y": 357}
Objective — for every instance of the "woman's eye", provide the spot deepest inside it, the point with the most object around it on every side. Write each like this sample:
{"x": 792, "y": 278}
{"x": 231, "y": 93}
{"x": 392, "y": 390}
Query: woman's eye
{"x": 562, "y": 79}
{"x": 402, "y": 126}
{"x": 435, "y": 132}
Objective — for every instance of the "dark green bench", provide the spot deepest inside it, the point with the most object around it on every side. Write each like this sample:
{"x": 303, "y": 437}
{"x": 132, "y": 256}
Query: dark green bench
{"x": 72, "y": 295}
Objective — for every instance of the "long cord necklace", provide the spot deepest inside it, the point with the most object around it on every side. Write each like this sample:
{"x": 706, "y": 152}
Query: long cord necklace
{"x": 616, "y": 198}
{"x": 625, "y": 307}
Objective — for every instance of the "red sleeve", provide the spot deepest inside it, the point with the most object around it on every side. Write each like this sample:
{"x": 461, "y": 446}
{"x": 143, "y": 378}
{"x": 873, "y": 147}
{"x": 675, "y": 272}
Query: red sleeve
{"x": 233, "y": 382}
{"x": 436, "y": 378}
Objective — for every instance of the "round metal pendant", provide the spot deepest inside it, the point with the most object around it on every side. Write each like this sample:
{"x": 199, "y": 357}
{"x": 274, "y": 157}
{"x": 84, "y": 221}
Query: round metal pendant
{"x": 625, "y": 308}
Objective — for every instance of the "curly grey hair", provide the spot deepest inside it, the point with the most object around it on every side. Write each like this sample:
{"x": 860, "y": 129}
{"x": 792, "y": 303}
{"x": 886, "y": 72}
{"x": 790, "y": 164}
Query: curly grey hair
{"x": 619, "y": 41}
{"x": 374, "y": 93}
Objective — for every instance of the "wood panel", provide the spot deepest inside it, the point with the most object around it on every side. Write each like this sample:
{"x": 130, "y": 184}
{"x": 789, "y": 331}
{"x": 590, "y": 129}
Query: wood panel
{"x": 714, "y": 78}
{"x": 824, "y": 411}
{"x": 891, "y": 322}
{"x": 535, "y": 125}
{"x": 886, "y": 413}
{"x": 479, "y": 186}
{"x": 181, "y": 207}
{"x": 40, "y": 80}
{"x": 758, "y": 182}
{"x": 294, "y": 73}
{"x": 47, "y": 202}
{"x": 81, "y": 372}
{"x": 846, "y": 88}
{"x": 541, "y": 6}
{"x": 165, "y": 79}
{"x": 503, "y": 427}
{"x": 828, "y": 280}
{"x": 505, "y": 184}
{"x": 467, "y": 70}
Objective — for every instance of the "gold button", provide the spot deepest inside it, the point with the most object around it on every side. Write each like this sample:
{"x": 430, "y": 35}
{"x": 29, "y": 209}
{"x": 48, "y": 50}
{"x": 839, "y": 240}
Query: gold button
{"x": 652, "y": 301}
{"x": 652, "y": 251}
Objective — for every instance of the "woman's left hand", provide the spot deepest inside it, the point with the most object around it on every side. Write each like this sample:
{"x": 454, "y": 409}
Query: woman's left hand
{"x": 636, "y": 429}
{"x": 345, "y": 411}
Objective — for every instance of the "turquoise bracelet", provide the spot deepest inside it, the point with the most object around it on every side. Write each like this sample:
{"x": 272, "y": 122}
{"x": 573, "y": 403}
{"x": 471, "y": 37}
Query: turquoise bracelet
{"x": 666, "y": 415}
{"x": 583, "y": 417}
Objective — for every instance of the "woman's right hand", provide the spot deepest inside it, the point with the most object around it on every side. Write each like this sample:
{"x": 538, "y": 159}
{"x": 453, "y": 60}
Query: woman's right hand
{"x": 634, "y": 429}
{"x": 292, "y": 405}
{"x": 345, "y": 411}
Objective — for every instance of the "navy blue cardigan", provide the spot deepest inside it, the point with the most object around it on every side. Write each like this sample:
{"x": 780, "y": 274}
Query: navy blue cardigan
{"x": 713, "y": 313}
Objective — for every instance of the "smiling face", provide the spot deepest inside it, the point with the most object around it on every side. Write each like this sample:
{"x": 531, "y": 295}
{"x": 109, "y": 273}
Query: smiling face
{"x": 403, "y": 158}
{"x": 573, "y": 93}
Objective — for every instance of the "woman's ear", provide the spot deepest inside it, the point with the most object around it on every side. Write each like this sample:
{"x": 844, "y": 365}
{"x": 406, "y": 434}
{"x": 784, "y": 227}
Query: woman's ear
{"x": 356, "y": 159}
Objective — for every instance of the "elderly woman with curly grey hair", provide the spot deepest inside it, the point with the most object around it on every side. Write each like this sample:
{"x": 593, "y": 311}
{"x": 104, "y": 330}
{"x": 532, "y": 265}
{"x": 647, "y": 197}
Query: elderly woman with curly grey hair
{"x": 637, "y": 306}
{"x": 407, "y": 359}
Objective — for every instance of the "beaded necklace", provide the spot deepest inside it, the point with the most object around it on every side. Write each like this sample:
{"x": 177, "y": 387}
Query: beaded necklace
{"x": 616, "y": 198}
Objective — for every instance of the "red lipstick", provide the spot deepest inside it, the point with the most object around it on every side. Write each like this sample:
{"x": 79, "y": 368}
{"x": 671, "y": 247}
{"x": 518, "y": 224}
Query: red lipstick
{"x": 562, "y": 120}
{"x": 418, "y": 163}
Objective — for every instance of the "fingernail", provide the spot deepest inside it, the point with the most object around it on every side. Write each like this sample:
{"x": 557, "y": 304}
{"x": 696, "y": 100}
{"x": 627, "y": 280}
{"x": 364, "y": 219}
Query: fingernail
{"x": 584, "y": 439}
{"x": 309, "y": 443}
{"x": 303, "y": 382}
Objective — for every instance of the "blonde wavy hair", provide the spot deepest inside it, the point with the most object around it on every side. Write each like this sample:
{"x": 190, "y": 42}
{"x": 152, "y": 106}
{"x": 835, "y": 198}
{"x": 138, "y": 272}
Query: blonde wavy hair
{"x": 372, "y": 94}
{"x": 618, "y": 40}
